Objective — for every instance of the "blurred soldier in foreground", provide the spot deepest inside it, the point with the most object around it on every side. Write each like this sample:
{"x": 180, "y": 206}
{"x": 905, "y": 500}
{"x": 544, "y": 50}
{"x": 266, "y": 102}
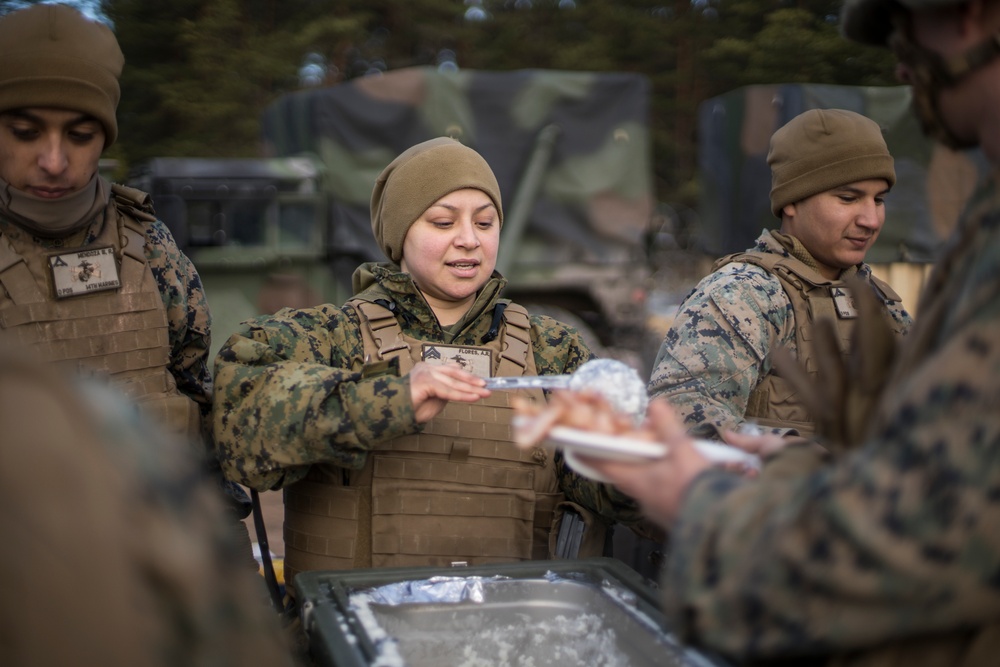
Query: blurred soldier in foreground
{"x": 830, "y": 170}
{"x": 115, "y": 552}
{"x": 890, "y": 555}
{"x": 91, "y": 280}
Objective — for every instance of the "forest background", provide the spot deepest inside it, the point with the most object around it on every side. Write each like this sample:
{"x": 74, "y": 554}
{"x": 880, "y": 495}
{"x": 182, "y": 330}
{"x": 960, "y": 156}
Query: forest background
{"x": 199, "y": 73}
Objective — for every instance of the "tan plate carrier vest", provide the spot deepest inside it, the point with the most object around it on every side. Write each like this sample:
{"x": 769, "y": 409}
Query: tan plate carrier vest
{"x": 459, "y": 491}
{"x": 121, "y": 334}
{"x": 774, "y": 403}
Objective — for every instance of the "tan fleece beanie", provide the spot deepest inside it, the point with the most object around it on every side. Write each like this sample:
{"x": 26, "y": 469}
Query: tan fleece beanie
{"x": 53, "y": 56}
{"x": 420, "y": 176}
{"x": 823, "y": 149}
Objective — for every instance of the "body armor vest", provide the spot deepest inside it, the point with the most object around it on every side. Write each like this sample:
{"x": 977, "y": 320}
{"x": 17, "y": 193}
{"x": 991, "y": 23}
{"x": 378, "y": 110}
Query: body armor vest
{"x": 121, "y": 334}
{"x": 459, "y": 491}
{"x": 774, "y": 401}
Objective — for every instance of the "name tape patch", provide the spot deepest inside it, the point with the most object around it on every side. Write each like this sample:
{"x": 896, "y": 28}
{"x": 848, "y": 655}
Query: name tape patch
{"x": 473, "y": 359}
{"x": 84, "y": 271}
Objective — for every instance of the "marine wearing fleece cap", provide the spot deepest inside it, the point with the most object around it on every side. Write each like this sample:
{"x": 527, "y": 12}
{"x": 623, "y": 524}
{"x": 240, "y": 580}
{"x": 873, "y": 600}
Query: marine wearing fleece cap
{"x": 823, "y": 149}
{"x": 419, "y": 177}
{"x": 53, "y": 56}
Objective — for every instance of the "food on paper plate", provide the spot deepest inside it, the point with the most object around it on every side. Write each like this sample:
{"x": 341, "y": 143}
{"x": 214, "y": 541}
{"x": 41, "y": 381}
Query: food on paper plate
{"x": 585, "y": 410}
{"x": 584, "y": 424}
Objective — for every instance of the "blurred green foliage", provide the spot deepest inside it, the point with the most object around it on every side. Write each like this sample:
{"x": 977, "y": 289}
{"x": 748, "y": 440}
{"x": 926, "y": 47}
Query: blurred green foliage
{"x": 199, "y": 72}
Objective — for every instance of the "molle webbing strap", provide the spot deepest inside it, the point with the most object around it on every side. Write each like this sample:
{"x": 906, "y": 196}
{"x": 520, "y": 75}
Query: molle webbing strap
{"x": 483, "y": 426}
{"x": 133, "y": 256}
{"x": 125, "y": 306}
{"x": 821, "y": 307}
{"x": 810, "y": 296}
{"x": 15, "y": 276}
{"x": 381, "y": 332}
{"x": 393, "y": 545}
{"x": 807, "y": 288}
{"x": 516, "y": 342}
{"x": 442, "y": 470}
{"x": 888, "y": 294}
{"x": 480, "y": 518}
{"x": 133, "y": 260}
{"x": 136, "y": 203}
{"x": 143, "y": 384}
{"x": 321, "y": 527}
{"x": 113, "y": 333}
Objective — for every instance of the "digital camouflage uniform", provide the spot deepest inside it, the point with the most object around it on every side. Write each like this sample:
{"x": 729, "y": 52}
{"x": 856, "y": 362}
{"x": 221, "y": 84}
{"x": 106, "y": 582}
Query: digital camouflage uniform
{"x": 719, "y": 348}
{"x": 889, "y": 556}
{"x": 116, "y": 550}
{"x": 293, "y": 390}
{"x": 188, "y": 317}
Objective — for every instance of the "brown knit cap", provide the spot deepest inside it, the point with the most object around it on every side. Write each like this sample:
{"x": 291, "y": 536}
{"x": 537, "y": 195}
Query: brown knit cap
{"x": 420, "y": 176}
{"x": 822, "y": 149}
{"x": 53, "y": 56}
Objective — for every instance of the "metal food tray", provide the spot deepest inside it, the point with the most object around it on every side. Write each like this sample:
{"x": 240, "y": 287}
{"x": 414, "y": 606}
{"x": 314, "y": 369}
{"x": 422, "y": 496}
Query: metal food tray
{"x": 594, "y": 612}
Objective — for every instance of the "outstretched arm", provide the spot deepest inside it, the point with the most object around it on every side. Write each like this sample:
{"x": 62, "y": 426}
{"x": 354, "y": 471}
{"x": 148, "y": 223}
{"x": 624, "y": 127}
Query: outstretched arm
{"x": 718, "y": 347}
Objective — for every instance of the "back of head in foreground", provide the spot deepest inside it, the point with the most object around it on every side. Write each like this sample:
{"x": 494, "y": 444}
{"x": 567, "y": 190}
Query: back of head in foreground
{"x": 116, "y": 553}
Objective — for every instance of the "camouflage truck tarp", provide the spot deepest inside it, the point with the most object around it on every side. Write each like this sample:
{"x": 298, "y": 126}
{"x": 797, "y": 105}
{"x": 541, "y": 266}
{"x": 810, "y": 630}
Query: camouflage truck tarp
{"x": 571, "y": 151}
{"x": 933, "y": 183}
{"x": 596, "y": 195}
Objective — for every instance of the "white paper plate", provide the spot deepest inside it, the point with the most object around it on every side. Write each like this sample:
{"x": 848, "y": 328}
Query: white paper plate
{"x": 602, "y": 445}
{"x": 576, "y": 443}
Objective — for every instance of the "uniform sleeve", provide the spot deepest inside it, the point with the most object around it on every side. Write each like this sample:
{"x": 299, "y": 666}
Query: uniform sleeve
{"x": 898, "y": 539}
{"x": 718, "y": 347}
{"x": 290, "y": 392}
{"x": 187, "y": 312}
{"x": 559, "y": 349}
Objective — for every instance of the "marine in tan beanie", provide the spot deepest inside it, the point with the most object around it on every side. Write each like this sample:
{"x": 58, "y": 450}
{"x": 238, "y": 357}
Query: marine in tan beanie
{"x": 793, "y": 292}
{"x": 823, "y": 149}
{"x": 53, "y": 56}
{"x": 419, "y": 177}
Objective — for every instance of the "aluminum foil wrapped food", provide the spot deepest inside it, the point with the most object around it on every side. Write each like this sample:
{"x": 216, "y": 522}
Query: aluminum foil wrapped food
{"x": 616, "y": 381}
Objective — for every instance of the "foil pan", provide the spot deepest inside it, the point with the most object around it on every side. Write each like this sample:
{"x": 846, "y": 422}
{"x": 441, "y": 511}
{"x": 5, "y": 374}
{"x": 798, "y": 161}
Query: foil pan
{"x": 587, "y": 613}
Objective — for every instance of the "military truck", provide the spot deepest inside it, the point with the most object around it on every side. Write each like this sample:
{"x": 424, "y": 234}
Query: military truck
{"x": 571, "y": 151}
{"x": 256, "y": 229}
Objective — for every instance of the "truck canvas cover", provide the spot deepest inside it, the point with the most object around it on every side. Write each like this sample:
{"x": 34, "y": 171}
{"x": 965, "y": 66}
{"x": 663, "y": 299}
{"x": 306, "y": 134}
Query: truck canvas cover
{"x": 592, "y": 198}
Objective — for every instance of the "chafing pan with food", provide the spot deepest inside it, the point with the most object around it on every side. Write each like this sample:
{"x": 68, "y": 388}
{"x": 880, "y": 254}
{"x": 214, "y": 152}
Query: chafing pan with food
{"x": 588, "y": 613}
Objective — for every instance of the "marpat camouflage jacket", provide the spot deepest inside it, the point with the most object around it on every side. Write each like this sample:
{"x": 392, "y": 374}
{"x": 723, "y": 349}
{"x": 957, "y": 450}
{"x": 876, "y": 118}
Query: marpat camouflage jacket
{"x": 718, "y": 348}
{"x": 290, "y": 390}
